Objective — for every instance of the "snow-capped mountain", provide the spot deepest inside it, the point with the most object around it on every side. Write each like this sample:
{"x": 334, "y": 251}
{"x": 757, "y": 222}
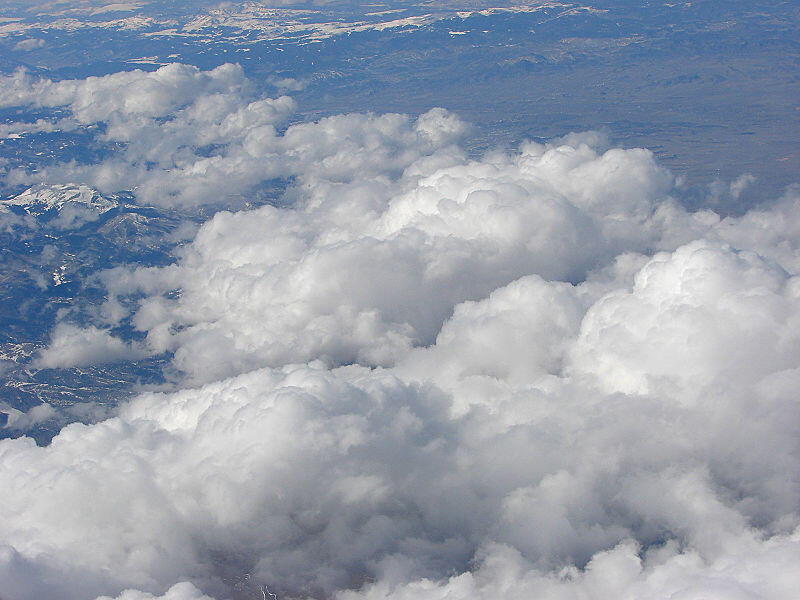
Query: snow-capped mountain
{"x": 64, "y": 206}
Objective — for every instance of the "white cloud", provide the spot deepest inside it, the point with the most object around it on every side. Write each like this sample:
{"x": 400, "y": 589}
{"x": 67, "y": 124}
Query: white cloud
{"x": 361, "y": 269}
{"x": 19, "y": 420}
{"x": 564, "y": 385}
{"x": 289, "y": 84}
{"x": 73, "y": 346}
{"x": 524, "y": 457}
{"x": 190, "y": 137}
{"x": 705, "y": 316}
{"x": 739, "y": 184}
{"x": 29, "y": 44}
{"x": 756, "y": 570}
{"x": 124, "y": 94}
{"x": 180, "y": 591}
{"x": 116, "y": 7}
{"x": 310, "y": 479}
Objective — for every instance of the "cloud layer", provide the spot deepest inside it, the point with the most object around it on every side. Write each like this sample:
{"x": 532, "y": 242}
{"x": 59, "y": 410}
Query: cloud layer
{"x": 181, "y": 137}
{"x": 421, "y": 375}
{"x": 362, "y": 271}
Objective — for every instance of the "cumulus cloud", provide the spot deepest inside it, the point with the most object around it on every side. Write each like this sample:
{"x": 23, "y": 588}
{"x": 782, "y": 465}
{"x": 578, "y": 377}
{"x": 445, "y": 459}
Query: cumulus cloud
{"x": 18, "y": 420}
{"x": 722, "y": 191}
{"x": 180, "y": 591}
{"x": 420, "y": 375}
{"x": 314, "y": 480}
{"x": 757, "y": 570}
{"x": 29, "y": 44}
{"x": 183, "y": 137}
{"x": 73, "y": 346}
{"x": 289, "y": 84}
{"x": 659, "y": 334}
{"x": 128, "y": 93}
{"x": 174, "y": 126}
{"x": 552, "y": 475}
{"x": 739, "y": 184}
{"x": 363, "y": 270}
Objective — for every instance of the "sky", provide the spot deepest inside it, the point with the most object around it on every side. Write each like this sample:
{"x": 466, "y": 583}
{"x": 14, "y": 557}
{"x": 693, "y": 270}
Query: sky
{"x": 264, "y": 333}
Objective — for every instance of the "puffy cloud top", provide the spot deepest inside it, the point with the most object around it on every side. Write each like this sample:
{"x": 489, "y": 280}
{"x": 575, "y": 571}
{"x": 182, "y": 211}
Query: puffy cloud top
{"x": 421, "y": 375}
{"x": 363, "y": 270}
{"x": 184, "y": 137}
{"x": 125, "y": 94}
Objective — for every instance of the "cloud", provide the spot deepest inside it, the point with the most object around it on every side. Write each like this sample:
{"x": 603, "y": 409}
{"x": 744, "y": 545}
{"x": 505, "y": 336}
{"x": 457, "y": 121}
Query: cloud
{"x": 19, "y": 420}
{"x": 757, "y": 569}
{"x": 739, "y": 184}
{"x": 116, "y": 7}
{"x": 310, "y": 479}
{"x": 518, "y": 334}
{"x": 661, "y": 334}
{"x": 362, "y": 269}
{"x": 552, "y": 475}
{"x": 721, "y": 191}
{"x": 289, "y": 84}
{"x": 29, "y": 44}
{"x": 179, "y": 136}
{"x": 532, "y": 374}
{"x": 73, "y": 346}
{"x": 124, "y": 94}
{"x": 180, "y": 591}
{"x": 173, "y": 126}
